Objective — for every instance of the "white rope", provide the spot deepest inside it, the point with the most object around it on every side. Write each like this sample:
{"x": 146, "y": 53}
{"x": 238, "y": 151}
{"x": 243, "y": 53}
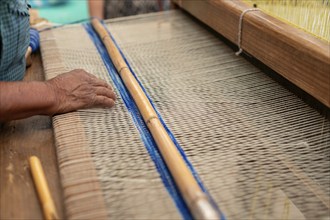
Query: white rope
{"x": 240, "y": 29}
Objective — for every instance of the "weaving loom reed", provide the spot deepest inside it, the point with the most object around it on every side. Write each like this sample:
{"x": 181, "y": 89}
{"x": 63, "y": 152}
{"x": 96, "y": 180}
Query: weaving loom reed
{"x": 253, "y": 143}
{"x": 311, "y": 16}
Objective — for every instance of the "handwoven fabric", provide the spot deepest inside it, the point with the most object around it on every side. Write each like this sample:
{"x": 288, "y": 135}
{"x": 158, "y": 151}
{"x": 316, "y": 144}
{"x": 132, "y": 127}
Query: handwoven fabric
{"x": 260, "y": 151}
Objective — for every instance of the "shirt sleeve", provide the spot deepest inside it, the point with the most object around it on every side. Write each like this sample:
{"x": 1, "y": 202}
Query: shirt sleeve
{"x": 14, "y": 39}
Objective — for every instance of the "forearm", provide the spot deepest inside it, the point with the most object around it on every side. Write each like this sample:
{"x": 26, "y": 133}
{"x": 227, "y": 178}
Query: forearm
{"x": 66, "y": 92}
{"x": 23, "y": 99}
{"x": 96, "y": 8}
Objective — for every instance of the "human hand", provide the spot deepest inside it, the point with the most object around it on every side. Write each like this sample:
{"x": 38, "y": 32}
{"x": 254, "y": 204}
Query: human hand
{"x": 78, "y": 89}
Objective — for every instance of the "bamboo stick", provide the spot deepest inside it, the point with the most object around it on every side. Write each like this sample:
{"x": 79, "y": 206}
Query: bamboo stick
{"x": 42, "y": 188}
{"x": 28, "y": 56}
{"x": 195, "y": 198}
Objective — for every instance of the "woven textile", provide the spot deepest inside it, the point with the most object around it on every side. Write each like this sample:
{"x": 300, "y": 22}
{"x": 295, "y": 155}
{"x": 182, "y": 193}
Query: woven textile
{"x": 261, "y": 152}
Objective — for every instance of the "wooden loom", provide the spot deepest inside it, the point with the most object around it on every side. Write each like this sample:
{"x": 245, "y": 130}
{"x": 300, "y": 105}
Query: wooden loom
{"x": 298, "y": 56}
{"x": 71, "y": 162}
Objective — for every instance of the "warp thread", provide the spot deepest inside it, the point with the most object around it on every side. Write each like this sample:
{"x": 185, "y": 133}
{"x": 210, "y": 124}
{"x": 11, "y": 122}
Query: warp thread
{"x": 34, "y": 39}
{"x": 54, "y": 26}
{"x": 140, "y": 125}
{"x": 145, "y": 135}
{"x": 240, "y": 26}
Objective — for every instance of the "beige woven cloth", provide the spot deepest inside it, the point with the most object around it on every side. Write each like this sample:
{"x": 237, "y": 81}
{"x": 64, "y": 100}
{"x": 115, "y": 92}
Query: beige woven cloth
{"x": 260, "y": 151}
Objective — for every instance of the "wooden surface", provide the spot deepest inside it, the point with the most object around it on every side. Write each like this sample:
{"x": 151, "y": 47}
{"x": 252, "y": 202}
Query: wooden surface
{"x": 19, "y": 140}
{"x": 299, "y": 57}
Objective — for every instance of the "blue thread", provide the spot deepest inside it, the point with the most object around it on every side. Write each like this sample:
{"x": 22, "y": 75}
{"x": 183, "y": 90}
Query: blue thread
{"x": 34, "y": 39}
{"x": 145, "y": 133}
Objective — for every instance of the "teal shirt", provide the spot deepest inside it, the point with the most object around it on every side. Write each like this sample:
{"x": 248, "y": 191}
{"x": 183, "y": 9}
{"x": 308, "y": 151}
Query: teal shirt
{"x": 14, "y": 38}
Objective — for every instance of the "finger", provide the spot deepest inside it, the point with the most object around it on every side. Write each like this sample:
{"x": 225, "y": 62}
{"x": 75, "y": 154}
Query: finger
{"x": 99, "y": 82}
{"x": 80, "y": 72}
{"x": 103, "y": 101}
{"x": 105, "y": 92}
{"x": 91, "y": 75}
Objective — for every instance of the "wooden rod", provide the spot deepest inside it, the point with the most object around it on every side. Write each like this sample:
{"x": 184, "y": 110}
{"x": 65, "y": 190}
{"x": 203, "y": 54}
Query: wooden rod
{"x": 40, "y": 181}
{"x": 28, "y": 56}
{"x": 196, "y": 199}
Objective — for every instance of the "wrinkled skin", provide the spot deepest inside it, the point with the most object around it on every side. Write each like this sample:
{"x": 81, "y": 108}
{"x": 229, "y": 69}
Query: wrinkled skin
{"x": 78, "y": 90}
{"x": 67, "y": 92}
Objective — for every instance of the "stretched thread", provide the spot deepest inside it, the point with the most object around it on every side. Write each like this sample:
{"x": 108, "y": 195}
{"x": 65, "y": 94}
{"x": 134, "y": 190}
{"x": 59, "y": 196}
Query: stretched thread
{"x": 145, "y": 135}
{"x": 310, "y": 16}
{"x": 139, "y": 123}
{"x": 240, "y": 27}
{"x": 65, "y": 24}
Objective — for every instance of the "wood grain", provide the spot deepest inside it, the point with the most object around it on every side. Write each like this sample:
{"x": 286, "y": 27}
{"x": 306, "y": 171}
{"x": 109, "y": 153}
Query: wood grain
{"x": 298, "y": 56}
{"x": 19, "y": 140}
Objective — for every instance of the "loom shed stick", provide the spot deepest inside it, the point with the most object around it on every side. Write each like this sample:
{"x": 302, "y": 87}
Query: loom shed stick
{"x": 39, "y": 178}
{"x": 195, "y": 198}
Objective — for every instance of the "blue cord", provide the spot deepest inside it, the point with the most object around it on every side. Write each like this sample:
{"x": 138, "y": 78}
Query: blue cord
{"x": 34, "y": 39}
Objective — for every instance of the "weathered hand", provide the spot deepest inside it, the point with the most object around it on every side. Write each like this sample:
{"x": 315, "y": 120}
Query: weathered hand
{"x": 78, "y": 89}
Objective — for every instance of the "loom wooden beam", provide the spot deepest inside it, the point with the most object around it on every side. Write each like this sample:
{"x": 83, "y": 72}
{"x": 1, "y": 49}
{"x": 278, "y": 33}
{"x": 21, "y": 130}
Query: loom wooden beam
{"x": 196, "y": 199}
{"x": 298, "y": 56}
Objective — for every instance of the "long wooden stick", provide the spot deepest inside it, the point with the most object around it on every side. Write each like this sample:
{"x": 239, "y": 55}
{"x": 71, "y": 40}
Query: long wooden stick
{"x": 42, "y": 188}
{"x": 196, "y": 199}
